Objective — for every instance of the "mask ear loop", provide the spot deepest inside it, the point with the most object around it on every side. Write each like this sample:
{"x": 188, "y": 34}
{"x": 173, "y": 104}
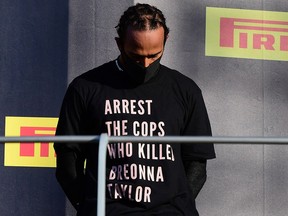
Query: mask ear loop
{"x": 118, "y": 65}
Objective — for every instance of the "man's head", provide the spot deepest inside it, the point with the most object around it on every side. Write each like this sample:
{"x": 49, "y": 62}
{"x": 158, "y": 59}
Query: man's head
{"x": 142, "y": 34}
{"x": 141, "y": 17}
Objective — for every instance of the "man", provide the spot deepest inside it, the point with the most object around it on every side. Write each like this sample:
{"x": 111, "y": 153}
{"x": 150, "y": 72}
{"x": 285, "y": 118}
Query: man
{"x": 135, "y": 95}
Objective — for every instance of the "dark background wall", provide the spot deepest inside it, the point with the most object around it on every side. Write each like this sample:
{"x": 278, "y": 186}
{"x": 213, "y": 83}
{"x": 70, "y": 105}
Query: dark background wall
{"x": 45, "y": 44}
{"x": 33, "y": 79}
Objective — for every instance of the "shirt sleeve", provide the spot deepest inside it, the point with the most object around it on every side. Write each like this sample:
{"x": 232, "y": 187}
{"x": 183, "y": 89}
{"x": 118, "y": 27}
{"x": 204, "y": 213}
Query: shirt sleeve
{"x": 197, "y": 124}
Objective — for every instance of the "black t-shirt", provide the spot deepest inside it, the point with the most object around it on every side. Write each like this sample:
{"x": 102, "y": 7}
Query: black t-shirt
{"x": 142, "y": 178}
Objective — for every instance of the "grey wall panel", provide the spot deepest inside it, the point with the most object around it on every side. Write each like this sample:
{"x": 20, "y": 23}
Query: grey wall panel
{"x": 81, "y": 39}
{"x": 244, "y": 98}
{"x": 92, "y": 33}
{"x": 276, "y": 124}
{"x": 275, "y": 79}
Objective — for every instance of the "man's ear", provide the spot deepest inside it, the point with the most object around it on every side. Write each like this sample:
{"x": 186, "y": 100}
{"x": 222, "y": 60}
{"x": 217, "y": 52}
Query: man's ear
{"x": 119, "y": 43}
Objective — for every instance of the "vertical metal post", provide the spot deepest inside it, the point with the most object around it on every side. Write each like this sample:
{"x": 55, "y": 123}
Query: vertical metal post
{"x": 101, "y": 196}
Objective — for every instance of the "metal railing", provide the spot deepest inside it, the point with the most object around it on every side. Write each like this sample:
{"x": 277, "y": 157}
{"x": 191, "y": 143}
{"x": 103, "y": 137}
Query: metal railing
{"x": 104, "y": 139}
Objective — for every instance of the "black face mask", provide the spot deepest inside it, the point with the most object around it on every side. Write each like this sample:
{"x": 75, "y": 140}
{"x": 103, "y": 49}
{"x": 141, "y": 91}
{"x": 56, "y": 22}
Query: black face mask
{"x": 137, "y": 72}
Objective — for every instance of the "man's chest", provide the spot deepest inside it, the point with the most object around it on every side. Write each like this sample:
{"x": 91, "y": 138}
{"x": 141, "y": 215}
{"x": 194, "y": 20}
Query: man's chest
{"x": 138, "y": 112}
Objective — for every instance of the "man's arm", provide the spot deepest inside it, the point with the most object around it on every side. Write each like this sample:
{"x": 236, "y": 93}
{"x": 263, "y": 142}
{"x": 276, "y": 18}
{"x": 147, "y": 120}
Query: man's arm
{"x": 196, "y": 175}
{"x": 70, "y": 173}
{"x": 195, "y": 155}
{"x": 70, "y": 156}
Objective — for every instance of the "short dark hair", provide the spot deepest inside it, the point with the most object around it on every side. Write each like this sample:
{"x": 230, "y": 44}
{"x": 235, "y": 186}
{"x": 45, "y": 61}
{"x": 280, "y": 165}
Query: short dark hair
{"x": 142, "y": 17}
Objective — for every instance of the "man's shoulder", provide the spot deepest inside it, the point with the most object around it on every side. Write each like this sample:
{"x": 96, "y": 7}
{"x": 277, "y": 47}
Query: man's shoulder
{"x": 174, "y": 76}
{"x": 99, "y": 74}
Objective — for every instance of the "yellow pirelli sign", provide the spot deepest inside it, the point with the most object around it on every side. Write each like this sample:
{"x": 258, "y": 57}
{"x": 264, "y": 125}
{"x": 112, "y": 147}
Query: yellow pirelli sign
{"x": 246, "y": 34}
{"x": 30, "y": 154}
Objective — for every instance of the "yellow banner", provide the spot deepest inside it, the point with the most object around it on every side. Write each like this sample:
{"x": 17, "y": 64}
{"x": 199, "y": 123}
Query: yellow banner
{"x": 250, "y": 34}
{"x": 30, "y": 154}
